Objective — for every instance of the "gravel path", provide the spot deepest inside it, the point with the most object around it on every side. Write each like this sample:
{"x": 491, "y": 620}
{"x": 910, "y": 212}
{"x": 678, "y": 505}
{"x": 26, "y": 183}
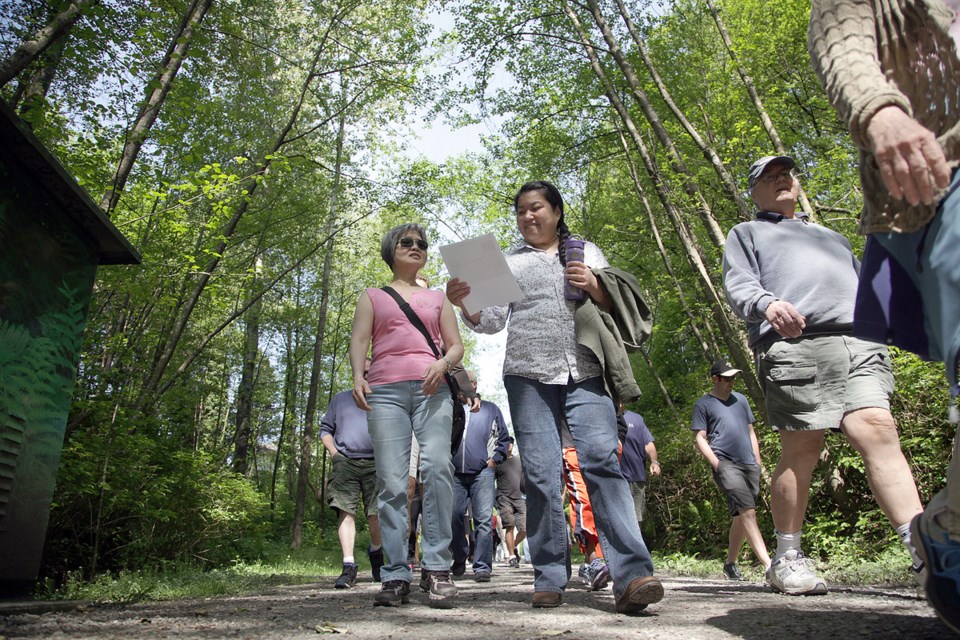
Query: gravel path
{"x": 692, "y": 609}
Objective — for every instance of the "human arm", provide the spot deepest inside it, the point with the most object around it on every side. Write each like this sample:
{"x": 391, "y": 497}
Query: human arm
{"x": 755, "y": 445}
{"x": 359, "y": 346}
{"x": 745, "y": 290}
{"x": 650, "y": 450}
{"x": 433, "y": 375}
{"x": 844, "y": 50}
{"x": 328, "y": 427}
{"x": 704, "y": 447}
{"x": 327, "y": 440}
{"x": 502, "y": 440}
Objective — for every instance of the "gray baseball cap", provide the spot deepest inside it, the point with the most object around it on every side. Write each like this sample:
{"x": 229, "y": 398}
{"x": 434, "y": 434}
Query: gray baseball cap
{"x": 758, "y": 167}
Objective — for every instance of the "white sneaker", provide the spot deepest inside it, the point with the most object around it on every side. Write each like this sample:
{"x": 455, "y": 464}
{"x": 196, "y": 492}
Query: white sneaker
{"x": 793, "y": 576}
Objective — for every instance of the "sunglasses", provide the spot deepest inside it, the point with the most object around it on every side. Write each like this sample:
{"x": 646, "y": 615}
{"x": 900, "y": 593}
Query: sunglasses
{"x": 408, "y": 242}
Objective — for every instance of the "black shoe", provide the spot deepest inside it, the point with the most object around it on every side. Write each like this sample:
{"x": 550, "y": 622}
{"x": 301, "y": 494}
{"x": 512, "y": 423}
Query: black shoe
{"x": 481, "y": 576}
{"x": 732, "y": 571}
{"x": 442, "y": 591}
{"x": 459, "y": 568}
{"x": 514, "y": 563}
{"x": 376, "y": 562}
{"x": 347, "y": 577}
{"x": 393, "y": 593}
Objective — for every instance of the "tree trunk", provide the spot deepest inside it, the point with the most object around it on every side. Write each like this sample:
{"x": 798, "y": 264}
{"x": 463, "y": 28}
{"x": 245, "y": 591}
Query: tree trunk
{"x": 679, "y": 166}
{"x": 241, "y": 440}
{"x": 692, "y": 319}
{"x": 755, "y": 97}
{"x": 148, "y": 393}
{"x": 159, "y": 87}
{"x": 306, "y": 433}
{"x": 29, "y": 50}
{"x": 726, "y": 179}
{"x": 289, "y": 406}
{"x": 34, "y": 91}
{"x": 733, "y": 338}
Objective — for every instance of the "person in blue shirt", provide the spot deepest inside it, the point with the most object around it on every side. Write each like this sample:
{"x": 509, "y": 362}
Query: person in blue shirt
{"x": 723, "y": 424}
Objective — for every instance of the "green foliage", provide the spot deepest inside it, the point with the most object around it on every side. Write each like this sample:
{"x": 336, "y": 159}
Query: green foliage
{"x": 171, "y": 506}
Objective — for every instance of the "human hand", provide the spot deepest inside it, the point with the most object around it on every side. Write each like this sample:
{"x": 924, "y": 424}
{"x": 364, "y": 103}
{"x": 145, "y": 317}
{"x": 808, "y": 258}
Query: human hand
{"x": 911, "y": 161}
{"x": 785, "y": 319}
{"x": 474, "y": 404}
{"x": 654, "y": 468}
{"x": 433, "y": 376}
{"x": 457, "y": 290}
{"x": 360, "y": 391}
{"x": 581, "y": 276}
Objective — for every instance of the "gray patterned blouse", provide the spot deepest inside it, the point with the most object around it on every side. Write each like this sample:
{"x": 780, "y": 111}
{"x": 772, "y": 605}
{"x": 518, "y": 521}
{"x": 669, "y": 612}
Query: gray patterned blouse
{"x": 540, "y": 339}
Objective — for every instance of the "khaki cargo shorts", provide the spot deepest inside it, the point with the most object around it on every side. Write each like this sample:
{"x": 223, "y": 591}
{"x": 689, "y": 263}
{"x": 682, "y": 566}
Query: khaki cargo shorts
{"x": 811, "y": 383}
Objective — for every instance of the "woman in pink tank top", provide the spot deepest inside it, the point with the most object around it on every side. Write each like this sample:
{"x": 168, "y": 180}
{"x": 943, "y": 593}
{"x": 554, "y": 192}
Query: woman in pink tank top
{"x": 406, "y": 393}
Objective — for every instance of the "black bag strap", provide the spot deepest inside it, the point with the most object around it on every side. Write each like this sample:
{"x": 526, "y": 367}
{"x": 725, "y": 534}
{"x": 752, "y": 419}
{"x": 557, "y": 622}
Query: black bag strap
{"x": 413, "y": 318}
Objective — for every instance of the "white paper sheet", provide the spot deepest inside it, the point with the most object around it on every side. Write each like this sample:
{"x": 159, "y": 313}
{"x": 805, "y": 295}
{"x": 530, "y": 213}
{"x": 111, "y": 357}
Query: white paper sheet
{"x": 480, "y": 263}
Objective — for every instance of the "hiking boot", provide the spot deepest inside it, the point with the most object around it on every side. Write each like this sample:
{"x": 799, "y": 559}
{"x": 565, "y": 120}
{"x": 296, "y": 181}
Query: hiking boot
{"x": 793, "y": 576}
{"x": 481, "y": 576}
{"x": 638, "y": 594}
{"x": 598, "y": 574}
{"x": 941, "y": 555}
{"x": 376, "y": 562}
{"x": 459, "y": 568}
{"x": 347, "y": 577}
{"x": 546, "y": 599}
{"x": 437, "y": 584}
{"x": 514, "y": 563}
{"x": 393, "y": 593}
{"x": 732, "y": 571}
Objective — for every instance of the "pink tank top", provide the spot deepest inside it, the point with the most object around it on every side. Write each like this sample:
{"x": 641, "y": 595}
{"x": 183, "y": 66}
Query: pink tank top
{"x": 400, "y": 352}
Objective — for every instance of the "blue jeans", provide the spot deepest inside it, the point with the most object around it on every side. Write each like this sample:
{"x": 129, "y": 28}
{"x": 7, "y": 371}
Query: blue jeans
{"x": 931, "y": 258}
{"x": 399, "y": 409}
{"x": 537, "y": 409}
{"x": 479, "y": 490}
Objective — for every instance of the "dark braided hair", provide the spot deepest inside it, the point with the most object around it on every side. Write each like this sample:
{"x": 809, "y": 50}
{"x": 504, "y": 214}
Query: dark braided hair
{"x": 552, "y": 195}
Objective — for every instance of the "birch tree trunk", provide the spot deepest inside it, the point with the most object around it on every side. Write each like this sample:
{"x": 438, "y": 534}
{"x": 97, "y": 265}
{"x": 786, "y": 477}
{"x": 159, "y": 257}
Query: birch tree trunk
{"x": 733, "y": 338}
{"x": 726, "y": 178}
{"x": 29, "y": 50}
{"x": 709, "y": 221}
{"x": 755, "y": 97}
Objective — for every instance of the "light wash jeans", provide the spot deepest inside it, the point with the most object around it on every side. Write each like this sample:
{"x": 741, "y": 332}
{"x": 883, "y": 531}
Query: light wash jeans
{"x": 931, "y": 257}
{"x": 537, "y": 409}
{"x": 399, "y": 409}
{"x": 477, "y": 489}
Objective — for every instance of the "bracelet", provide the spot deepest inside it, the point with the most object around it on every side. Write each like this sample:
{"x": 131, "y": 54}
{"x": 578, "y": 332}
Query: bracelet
{"x": 447, "y": 362}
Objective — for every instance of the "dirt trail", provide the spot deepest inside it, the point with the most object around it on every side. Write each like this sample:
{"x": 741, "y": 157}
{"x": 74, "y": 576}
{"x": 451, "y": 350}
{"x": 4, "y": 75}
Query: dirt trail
{"x": 691, "y": 609}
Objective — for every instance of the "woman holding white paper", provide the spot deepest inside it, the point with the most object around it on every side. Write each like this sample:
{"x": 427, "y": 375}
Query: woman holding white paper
{"x": 549, "y": 378}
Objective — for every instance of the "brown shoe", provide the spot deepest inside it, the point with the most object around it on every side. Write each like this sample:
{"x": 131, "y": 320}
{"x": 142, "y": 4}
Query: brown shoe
{"x": 639, "y": 593}
{"x": 546, "y": 599}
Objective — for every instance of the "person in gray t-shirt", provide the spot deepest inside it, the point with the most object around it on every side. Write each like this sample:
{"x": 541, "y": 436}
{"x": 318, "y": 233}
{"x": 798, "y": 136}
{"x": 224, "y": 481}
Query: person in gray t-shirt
{"x": 723, "y": 424}
{"x": 794, "y": 283}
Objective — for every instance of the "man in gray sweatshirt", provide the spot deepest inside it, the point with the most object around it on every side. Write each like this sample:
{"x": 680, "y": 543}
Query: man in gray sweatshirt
{"x": 794, "y": 283}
